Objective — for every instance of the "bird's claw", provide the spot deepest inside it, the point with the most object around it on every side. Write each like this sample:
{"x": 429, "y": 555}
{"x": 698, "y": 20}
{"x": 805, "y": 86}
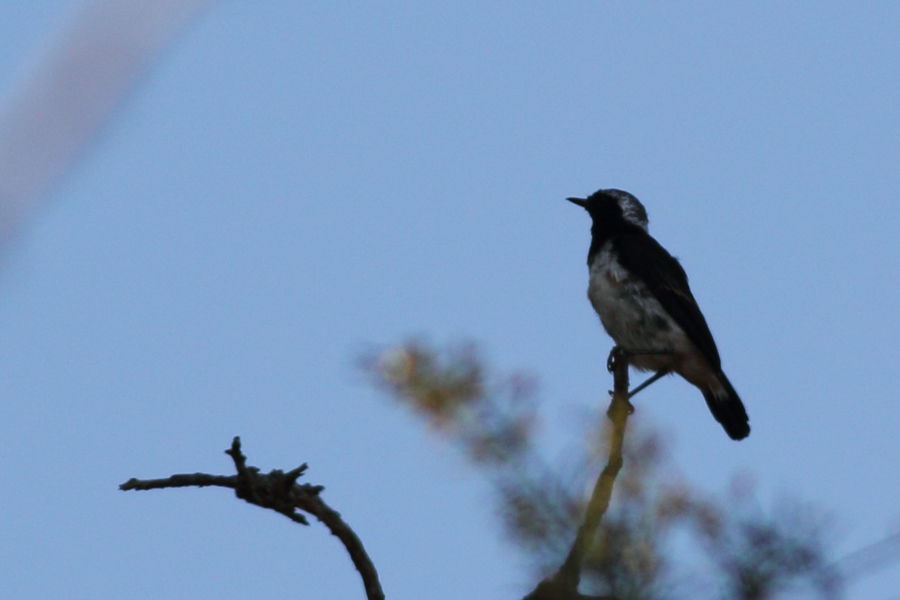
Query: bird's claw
{"x": 615, "y": 354}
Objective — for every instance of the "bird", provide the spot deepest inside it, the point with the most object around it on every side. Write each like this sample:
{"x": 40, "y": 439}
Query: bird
{"x": 645, "y": 304}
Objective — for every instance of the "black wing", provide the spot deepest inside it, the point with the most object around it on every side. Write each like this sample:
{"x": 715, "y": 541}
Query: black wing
{"x": 643, "y": 256}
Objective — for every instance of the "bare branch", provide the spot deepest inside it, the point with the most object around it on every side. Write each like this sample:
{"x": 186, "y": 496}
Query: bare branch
{"x": 194, "y": 480}
{"x": 564, "y": 585}
{"x": 278, "y": 491}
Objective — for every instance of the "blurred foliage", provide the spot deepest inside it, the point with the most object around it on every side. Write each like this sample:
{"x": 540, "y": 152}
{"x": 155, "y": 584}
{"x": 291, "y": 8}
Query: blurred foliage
{"x": 491, "y": 421}
{"x": 661, "y": 539}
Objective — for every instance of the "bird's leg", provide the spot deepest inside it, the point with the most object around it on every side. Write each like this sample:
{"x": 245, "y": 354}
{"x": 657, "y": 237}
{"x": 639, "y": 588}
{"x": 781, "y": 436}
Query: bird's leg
{"x": 619, "y": 353}
{"x": 659, "y": 374}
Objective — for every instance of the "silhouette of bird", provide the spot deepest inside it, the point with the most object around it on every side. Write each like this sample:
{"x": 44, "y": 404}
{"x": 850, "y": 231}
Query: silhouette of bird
{"x": 642, "y": 296}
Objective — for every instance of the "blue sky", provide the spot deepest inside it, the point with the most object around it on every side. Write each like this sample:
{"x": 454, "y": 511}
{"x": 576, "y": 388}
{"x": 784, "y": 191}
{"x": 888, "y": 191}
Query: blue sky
{"x": 293, "y": 182}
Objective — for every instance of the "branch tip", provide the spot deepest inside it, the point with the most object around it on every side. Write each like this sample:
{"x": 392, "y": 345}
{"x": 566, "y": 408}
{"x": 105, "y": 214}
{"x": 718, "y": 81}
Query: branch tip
{"x": 291, "y": 477}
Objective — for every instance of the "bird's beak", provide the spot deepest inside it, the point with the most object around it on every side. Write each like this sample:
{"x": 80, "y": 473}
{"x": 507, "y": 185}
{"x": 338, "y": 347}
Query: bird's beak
{"x": 579, "y": 201}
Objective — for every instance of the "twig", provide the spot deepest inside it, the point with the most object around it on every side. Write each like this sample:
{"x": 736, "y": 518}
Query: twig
{"x": 564, "y": 585}
{"x": 278, "y": 491}
{"x": 870, "y": 558}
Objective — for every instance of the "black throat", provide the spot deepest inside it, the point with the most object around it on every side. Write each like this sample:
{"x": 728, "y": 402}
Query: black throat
{"x": 604, "y": 230}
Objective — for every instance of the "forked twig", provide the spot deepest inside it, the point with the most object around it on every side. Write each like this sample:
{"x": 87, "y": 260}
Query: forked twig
{"x": 278, "y": 491}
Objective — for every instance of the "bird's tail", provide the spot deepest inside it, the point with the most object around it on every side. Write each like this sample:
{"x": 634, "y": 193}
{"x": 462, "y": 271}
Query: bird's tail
{"x": 727, "y": 408}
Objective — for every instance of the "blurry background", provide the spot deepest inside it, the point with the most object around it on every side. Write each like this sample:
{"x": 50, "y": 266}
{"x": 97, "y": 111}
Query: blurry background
{"x": 293, "y": 182}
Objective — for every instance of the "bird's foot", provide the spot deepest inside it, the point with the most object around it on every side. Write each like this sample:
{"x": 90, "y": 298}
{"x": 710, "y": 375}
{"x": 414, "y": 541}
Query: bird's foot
{"x": 617, "y": 353}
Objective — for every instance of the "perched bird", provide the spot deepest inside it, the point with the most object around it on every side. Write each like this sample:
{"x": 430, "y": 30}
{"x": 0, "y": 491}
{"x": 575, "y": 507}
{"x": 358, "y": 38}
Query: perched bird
{"x": 645, "y": 304}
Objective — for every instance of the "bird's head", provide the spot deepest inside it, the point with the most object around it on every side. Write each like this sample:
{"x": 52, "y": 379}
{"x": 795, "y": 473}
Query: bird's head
{"x": 609, "y": 206}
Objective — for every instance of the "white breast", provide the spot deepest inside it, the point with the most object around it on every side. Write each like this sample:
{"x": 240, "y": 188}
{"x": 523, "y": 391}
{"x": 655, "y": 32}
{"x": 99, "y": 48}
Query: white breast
{"x": 629, "y": 312}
